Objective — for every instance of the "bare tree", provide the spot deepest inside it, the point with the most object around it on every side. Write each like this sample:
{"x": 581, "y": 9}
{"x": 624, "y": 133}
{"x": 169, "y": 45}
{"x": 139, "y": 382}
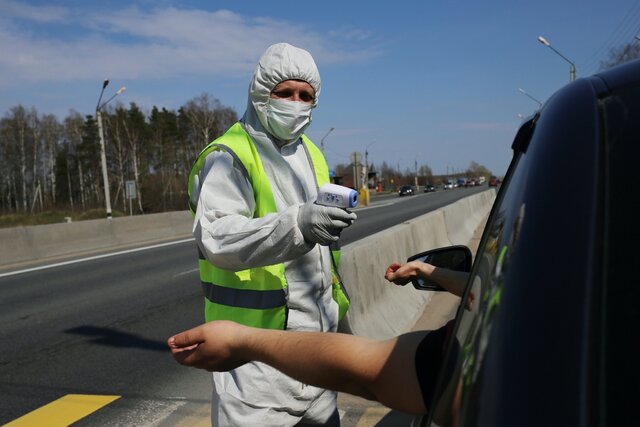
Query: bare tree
{"x": 135, "y": 128}
{"x": 51, "y": 134}
{"x": 16, "y": 128}
{"x": 476, "y": 170}
{"x": 116, "y": 123}
{"x": 72, "y": 131}
{"x": 34, "y": 128}
{"x": 47, "y": 164}
{"x": 208, "y": 119}
{"x": 622, "y": 54}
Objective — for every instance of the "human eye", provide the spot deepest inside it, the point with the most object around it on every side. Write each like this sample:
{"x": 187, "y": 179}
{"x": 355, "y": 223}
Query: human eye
{"x": 306, "y": 97}
{"x": 282, "y": 93}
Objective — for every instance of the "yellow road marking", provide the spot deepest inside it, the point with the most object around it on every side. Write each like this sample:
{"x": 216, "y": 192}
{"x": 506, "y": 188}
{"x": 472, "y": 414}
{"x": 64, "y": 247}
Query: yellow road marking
{"x": 64, "y": 411}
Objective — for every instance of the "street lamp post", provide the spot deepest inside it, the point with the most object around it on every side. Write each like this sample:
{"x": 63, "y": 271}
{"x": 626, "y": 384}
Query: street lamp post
{"x": 103, "y": 155}
{"x": 526, "y": 94}
{"x": 572, "y": 68}
{"x": 322, "y": 140}
{"x": 366, "y": 165}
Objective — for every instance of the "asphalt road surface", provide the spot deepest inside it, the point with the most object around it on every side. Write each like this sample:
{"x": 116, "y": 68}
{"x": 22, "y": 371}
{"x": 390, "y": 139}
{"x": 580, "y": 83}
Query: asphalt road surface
{"x": 98, "y": 328}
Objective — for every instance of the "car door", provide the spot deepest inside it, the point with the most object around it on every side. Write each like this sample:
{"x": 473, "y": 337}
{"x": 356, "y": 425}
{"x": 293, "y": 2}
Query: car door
{"x": 553, "y": 289}
{"x": 524, "y": 316}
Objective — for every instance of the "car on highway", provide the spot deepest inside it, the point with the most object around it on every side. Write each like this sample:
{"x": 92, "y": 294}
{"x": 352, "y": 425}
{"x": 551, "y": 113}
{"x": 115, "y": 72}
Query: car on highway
{"x": 493, "y": 181}
{"x": 546, "y": 334}
{"x": 429, "y": 188}
{"x": 405, "y": 190}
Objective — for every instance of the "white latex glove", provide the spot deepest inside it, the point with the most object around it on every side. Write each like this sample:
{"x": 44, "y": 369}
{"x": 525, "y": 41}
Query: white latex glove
{"x": 323, "y": 224}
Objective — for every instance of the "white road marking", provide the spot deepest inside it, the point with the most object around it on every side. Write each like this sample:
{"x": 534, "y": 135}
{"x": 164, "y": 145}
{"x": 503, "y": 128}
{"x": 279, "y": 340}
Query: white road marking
{"x": 91, "y": 258}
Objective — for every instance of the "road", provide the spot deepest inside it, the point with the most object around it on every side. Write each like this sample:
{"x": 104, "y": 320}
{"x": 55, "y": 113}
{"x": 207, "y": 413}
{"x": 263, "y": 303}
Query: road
{"x": 99, "y": 328}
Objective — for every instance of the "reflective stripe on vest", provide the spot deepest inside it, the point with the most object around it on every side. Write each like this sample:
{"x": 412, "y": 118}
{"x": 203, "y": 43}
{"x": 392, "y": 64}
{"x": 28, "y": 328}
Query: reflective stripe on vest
{"x": 254, "y": 297}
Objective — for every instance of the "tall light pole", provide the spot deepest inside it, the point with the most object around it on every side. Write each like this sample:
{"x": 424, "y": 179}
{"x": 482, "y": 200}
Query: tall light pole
{"x": 366, "y": 165}
{"x": 526, "y": 94}
{"x": 103, "y": 156}
{"x": 322, "y": 140}
{"x": 572, "y": 68}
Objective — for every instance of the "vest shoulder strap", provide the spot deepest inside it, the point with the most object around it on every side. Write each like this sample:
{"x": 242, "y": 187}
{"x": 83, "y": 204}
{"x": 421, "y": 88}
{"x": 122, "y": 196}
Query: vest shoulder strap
{"x": 237, "y": 143}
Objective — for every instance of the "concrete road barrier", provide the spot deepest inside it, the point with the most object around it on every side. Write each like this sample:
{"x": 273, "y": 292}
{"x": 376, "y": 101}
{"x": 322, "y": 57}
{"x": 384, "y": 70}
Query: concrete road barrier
{"x": 380, "y": 309}
{"x": 42, "y": 242}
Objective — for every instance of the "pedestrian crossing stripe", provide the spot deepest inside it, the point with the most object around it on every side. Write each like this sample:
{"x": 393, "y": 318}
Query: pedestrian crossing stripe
{"x": 64, "y": 411}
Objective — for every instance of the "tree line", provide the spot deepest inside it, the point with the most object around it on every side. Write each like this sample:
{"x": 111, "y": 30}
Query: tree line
{"x": 50, "y": 164}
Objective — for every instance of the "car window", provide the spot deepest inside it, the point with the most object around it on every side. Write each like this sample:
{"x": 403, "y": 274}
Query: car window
{"x": 569, "y": 303}
{"x": 526, "y": 203}
{"x": 484, "y": 295}
{"x": 488, "y": 280}
{"x": 621, "y": 296}
{"x": 549, "y": 334}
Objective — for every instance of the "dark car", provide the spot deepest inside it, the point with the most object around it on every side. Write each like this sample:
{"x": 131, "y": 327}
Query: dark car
{"x": 429, "y": 188}
{"x": 405, "y": 190}
{"x": 550, "y": 335}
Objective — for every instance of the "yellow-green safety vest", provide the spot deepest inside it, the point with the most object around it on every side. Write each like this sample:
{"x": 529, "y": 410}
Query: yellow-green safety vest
{"x": 256, "y": 296}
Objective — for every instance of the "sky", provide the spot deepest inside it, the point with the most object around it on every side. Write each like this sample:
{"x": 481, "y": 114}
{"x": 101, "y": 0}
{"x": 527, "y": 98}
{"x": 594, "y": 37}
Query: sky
{"x": 420, "y": 82}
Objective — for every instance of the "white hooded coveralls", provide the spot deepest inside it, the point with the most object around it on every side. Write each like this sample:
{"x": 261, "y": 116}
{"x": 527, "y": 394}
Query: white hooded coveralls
{"x": 230, "y": 238}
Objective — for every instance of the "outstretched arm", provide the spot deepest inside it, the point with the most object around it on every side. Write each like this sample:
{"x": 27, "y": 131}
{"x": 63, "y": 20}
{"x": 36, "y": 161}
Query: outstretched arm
{"x": 453, "y": 281}
{"x": 374, "y": 369}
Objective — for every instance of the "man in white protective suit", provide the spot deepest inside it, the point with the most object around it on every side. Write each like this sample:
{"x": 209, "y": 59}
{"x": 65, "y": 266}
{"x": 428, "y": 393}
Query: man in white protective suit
{"x": 264, "y": 245}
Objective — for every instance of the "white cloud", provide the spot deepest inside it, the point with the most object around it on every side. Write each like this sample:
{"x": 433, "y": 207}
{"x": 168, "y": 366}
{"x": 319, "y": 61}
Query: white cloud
{"x": 27, "y": 12}
{"x": 54, "y": 44}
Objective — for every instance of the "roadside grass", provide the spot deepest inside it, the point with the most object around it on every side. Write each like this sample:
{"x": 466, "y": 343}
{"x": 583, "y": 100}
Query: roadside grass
{"x": 52, "y": 217}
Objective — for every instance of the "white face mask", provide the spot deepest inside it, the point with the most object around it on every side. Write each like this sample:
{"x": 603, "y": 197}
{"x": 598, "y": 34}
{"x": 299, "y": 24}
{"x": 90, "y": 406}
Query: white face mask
{"x": 287, "y": 120}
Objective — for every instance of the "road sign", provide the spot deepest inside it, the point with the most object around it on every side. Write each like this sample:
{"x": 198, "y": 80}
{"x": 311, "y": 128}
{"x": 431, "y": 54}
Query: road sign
{"x": 131, "y": 189}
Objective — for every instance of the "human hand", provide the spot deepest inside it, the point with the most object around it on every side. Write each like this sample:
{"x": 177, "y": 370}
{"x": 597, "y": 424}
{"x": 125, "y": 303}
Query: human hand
{"x": 401, "y": 274}
{"x": 212, "y": 346}
{"x": 323, "y": 224}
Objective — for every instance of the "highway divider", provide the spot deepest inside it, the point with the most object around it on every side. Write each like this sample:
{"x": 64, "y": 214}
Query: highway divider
{"x": 51, "y": 241}
{"x": 378, "y": 308}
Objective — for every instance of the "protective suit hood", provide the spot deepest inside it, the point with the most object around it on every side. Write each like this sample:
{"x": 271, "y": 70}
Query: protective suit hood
{"x": 279, "y": 62}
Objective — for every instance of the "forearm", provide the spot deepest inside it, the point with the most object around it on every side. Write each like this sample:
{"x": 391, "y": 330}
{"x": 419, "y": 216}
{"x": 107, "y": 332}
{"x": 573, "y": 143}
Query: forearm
{"x": 381, "y": 370}
{"x": 373, "y": 369}
{"x": 234, "y": 242}
{"x": 452, "y": 281}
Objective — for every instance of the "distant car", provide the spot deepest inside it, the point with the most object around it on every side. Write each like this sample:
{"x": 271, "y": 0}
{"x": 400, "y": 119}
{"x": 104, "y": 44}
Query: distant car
{"x": 447, "y": 185}
{"x": 470, "y": 183}
{"x": 428, "y": 188}
{"x": 493, "y": 181}
{"x": 405, "y": 190}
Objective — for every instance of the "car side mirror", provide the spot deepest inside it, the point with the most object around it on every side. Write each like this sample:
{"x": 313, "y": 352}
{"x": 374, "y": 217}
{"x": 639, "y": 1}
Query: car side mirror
{"x": 457, "y": 258}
